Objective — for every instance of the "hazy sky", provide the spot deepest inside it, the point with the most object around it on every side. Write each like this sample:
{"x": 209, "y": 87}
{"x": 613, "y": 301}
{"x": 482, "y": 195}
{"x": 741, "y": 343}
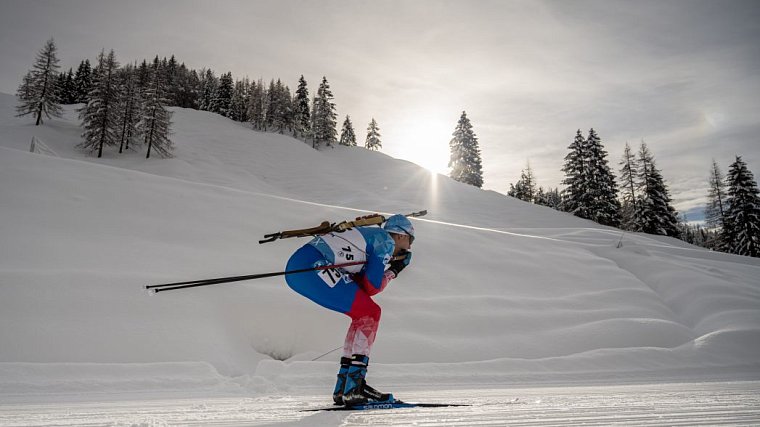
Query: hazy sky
{"x": 684, "y": 76}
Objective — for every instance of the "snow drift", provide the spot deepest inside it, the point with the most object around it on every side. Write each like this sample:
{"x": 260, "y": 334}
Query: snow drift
{"x": 500, "y": 291}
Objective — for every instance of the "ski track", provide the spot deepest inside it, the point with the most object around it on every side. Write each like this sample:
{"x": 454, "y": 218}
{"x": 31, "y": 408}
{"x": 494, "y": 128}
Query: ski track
{"x": 735, "y": 403}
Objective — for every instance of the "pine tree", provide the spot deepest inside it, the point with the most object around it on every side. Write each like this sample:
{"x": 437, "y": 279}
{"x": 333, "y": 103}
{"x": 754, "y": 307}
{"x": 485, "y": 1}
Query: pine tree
{"x": 654, "y": 213}
{"x": 100, "y": 115}
{"x": 575, "y": 198}
{"x": 222, "y": 98}
{"x": 279, "y": 109}
{"x": 130, "y": 101}
{"x": 66, "y": 91}
{"x": 323, "y": 117}
{"x": 604, "y": 206}
{"x": 83, "y": 82}
{"x": 628, "y": 173}
{"x": 240, "y": 101}
{"x": 156, "y": 120}
{"x": 69, "y": 89}
{"x": 302, "y": 117}
{"x": 716, "y": 197}
{"x": 208, "y": 86}
{"x": 347, "y": 134}
{"x": 741, "y": 225}
{"x": 525, "y": 188}
{"x": 37, "y": 93}
{"x": 372, "y": 142}
{"x": 465, "y": 161}
{"x": 257, "y": 106}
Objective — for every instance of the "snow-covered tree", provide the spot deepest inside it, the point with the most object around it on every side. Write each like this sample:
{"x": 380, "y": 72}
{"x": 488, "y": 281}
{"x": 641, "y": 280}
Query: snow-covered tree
{"x": 222, "y": 98}
{"x": 604, "y": 206}
{"x": 347, "y": 134}
{"x": 67, "y": 92}
{"x": 100, "y": 116}
{"x": 465, "y": 162}
{"x": 208, "y": 87}
{"x": 257, "y": 106}
{"x": 130, "y": 102}
{"x": 156, "y": 120}
{"x": 654, "y": 213}
{"x": 575, "y": 195}
{"x": 628, "y": 172}
{"x": 38, "y": 94}
{"x": 741, "y": 224}
{"x": 279, "y": 107}
{"x": 301, "y": 114}
{"x": 239, "y": 103}
{"x": 372, "y": 142}
{"x": 716, "y": 198}
{"x": 323, "y": 116}
{"x": 525, "y": 188}
{"x": 83, "y": 81}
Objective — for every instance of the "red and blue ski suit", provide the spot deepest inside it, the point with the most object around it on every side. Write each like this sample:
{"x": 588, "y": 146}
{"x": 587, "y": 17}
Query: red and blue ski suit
{"x": 347, "y": 290}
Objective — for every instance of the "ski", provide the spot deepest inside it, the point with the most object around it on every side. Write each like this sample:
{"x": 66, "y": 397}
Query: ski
{"x": 384, "y": 405}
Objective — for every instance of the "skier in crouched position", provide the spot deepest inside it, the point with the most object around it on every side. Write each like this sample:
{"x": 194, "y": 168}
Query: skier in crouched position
{"x": 385, "y": 253}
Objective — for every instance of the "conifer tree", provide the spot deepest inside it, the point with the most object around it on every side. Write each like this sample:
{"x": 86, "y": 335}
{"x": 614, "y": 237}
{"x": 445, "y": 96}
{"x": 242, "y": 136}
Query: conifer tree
{"x": 222, "y": 97}
{"x": 83, "y": 82}
{"x": 603, "y": 204}
{"x": 525, "y": 188}
{"x": 38, "y": 94}
{"x": 628, "y": 172}
{"x": 69, "y": 89}
{"x": 465, "y": 162}
{"x": 240, "y": 101}
{"x": 130, "y": 101}
{"x": 372, "y": 142}
{"x": 575, "y": 195}
{"x": 654, "y": 213}
{"x": 208, "y": 88}
{"x": 100, "y": 115}
{"x": 156, "y": 120}
{"x": 716, "y": 198}
{"x": 347, "y": 134}
{"x": 302, "y": 116}
{"x": 741, "y": 225}
{"x": 257, "y": 106}
{"x": 323, "y": 117}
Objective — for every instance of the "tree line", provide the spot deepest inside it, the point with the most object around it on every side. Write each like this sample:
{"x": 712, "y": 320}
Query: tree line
{"x": 639, "y": 199}
{"x": 126, "y": 106}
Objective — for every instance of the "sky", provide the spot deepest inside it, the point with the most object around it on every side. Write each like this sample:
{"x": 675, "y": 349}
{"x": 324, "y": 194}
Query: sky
{"x": 681, "y": 75}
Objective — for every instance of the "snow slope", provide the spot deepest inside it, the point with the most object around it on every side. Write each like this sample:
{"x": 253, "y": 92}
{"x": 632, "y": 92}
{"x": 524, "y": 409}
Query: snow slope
{"x": 500, "y": 291}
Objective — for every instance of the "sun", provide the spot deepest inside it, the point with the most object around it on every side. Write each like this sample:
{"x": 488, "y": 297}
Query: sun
{"x": 426, "y": 143}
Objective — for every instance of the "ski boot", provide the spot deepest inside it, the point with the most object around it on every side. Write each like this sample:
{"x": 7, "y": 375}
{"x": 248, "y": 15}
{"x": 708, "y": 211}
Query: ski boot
{"x": 357, "y": 391}
{"x": 345, "y": 362}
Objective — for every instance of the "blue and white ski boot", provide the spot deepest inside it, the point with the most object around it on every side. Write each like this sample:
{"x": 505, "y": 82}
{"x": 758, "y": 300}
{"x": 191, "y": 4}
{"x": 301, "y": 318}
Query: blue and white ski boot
{"x": 357, "y": 391}
{"x": 345, "y": 362}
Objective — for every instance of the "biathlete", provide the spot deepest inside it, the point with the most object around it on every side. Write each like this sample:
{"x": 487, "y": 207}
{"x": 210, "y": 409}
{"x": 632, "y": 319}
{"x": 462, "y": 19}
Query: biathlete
{"x": 349, "y": 290}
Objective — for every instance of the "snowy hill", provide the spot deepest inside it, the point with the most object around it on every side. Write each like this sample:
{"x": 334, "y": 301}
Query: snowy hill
{"x": 500, "y": 291}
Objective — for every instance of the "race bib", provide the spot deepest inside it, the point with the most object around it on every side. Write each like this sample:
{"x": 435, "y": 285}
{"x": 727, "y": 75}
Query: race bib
{"x": 331, "y": 276}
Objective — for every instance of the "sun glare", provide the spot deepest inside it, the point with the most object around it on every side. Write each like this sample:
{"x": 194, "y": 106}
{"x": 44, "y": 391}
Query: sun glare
{"x": 427, "y": 144}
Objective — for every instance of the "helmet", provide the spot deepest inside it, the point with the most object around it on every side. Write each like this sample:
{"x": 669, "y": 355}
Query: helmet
{"x": 399, "y": 224}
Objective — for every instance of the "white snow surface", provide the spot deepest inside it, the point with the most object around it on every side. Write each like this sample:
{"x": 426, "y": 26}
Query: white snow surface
{"x": 500, "y": 292}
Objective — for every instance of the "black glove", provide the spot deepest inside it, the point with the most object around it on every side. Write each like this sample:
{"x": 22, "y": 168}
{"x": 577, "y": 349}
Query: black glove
{"x": 400, "y": 262}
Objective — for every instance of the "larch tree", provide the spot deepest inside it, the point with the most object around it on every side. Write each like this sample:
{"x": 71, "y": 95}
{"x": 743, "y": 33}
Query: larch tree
{"x": 38, "y": 94}
{"x": 100, "y": 116}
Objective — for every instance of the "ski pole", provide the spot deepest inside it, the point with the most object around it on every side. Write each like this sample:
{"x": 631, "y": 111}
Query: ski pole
{"x": 207, "y": 282}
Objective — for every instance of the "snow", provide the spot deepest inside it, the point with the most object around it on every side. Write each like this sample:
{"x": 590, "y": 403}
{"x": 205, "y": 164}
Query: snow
{"x": 501, "y": 293}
